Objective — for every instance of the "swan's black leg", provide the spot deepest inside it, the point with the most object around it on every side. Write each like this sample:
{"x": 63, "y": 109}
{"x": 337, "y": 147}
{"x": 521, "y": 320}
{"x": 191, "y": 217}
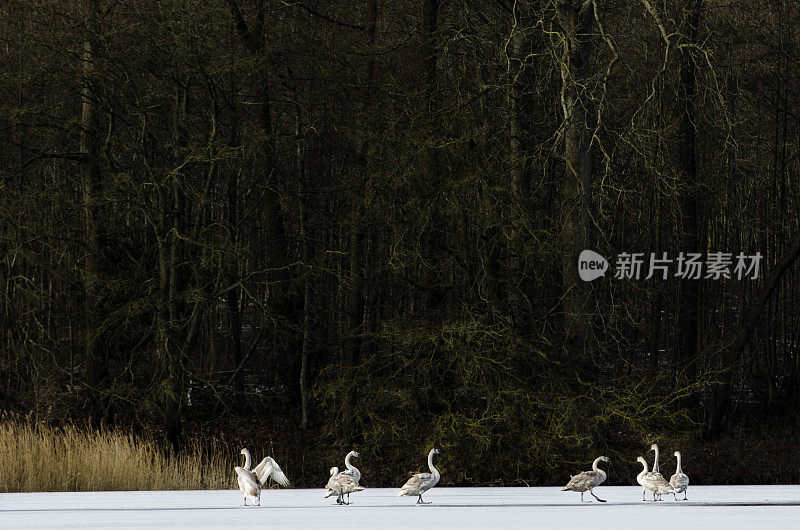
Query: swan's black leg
{"x": 596, "y": 497}
{"x": 643, "y": 494}
{"x": 684, "y": 495}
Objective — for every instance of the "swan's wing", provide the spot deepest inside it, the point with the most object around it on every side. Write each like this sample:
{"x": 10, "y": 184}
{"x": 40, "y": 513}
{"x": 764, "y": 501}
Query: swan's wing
{"x": 653, "y": 478}
{"x": 263, "y": 469}
{"x": 649, "y": 481}
{"x": 355, "y": 473}
{"x": 679, "y": 482}
{"x": 344, "y": 476}
{"x": 248, "y": 478}
{"x": 417, "y": 481}
{"x": 574, "y": 482}
{"x": 659, "y": 479}
{"x": 661, "y": 484}
{"x": 350, "y": 484}
{"x": 344, "y": 483}
{"x": 584, "y": 480}
{"x": 270, "y": 468}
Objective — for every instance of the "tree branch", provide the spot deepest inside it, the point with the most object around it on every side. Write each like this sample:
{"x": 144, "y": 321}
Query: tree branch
{"x": 252, "y": 43}
{"x": 323, "y": 17}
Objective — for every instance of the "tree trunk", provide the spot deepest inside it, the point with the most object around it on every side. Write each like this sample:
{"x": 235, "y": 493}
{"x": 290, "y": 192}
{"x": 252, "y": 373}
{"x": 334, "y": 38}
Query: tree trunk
{"x": 234, "y": 294}
{"x": 729, "y": 356}
{"x": 278, "y": 299}
{"x": 95, "y": 348}
{"x": 576, "y": 19}
{"x": 304, "y": 257}
{"x": 689, "y": 290}
{"x": 433, "y": 241}
{"x": 178, "y": 281}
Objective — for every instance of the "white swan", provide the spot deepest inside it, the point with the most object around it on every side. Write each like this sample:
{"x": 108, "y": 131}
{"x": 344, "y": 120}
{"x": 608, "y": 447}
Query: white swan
{"x": 334, "y": 471}
{"x": 422, "y": 482}
{"x": 588, "y": 480}
{"x": 652, "y": 482}
{"x": 656, "y": 473}
{"x": 679, "y": 481}
{"x": 337, "y": 484}
{"x": 250, "y": 482}
{"x": 341, "y": 484}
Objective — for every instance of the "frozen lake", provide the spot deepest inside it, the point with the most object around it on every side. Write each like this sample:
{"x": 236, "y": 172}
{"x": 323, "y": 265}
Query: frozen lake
{"x": 708, "y": 507}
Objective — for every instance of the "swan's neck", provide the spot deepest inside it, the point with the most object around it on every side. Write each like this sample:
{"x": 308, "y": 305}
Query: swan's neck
{"x": 597, "y": 469}
{"x": 430, "y": 464}
{"x": 679, "y": 470}
{"x": 246, "y": 460}
{"x": 644, "y": 469}
{"x": 655, "y": 463}
{"x": 347, "y": 463}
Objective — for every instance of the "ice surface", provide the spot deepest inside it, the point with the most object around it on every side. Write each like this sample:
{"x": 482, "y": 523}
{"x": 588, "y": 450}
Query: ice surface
{"x": 713, "y": 507}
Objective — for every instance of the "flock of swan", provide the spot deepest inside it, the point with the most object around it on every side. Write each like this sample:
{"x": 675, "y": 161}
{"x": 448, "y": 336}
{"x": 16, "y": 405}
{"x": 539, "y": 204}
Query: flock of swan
{"x": 652, "y": 481}
{"x": 343, "y": 483}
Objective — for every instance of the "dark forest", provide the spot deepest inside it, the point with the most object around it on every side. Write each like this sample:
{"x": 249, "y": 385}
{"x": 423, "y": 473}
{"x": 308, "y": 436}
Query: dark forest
{"x": 311, "y": 226}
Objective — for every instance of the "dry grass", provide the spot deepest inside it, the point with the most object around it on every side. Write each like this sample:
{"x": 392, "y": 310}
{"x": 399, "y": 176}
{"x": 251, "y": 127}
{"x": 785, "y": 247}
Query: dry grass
{"x": 41, "y": 458}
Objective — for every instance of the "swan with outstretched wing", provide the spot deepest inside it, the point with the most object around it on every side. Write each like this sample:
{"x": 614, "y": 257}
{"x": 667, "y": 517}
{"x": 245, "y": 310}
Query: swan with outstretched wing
{"x": 252, "y": 481}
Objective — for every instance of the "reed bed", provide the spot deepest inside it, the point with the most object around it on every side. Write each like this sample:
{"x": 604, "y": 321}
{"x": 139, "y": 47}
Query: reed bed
{"x": 35, "y": 457}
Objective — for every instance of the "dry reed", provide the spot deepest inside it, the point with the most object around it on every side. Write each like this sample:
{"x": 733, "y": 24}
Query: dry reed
{"x": 36, "y": 457}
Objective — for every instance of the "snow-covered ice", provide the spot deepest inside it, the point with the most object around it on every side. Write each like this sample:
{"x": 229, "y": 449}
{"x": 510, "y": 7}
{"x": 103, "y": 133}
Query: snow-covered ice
{"x": 714, "y": 507}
